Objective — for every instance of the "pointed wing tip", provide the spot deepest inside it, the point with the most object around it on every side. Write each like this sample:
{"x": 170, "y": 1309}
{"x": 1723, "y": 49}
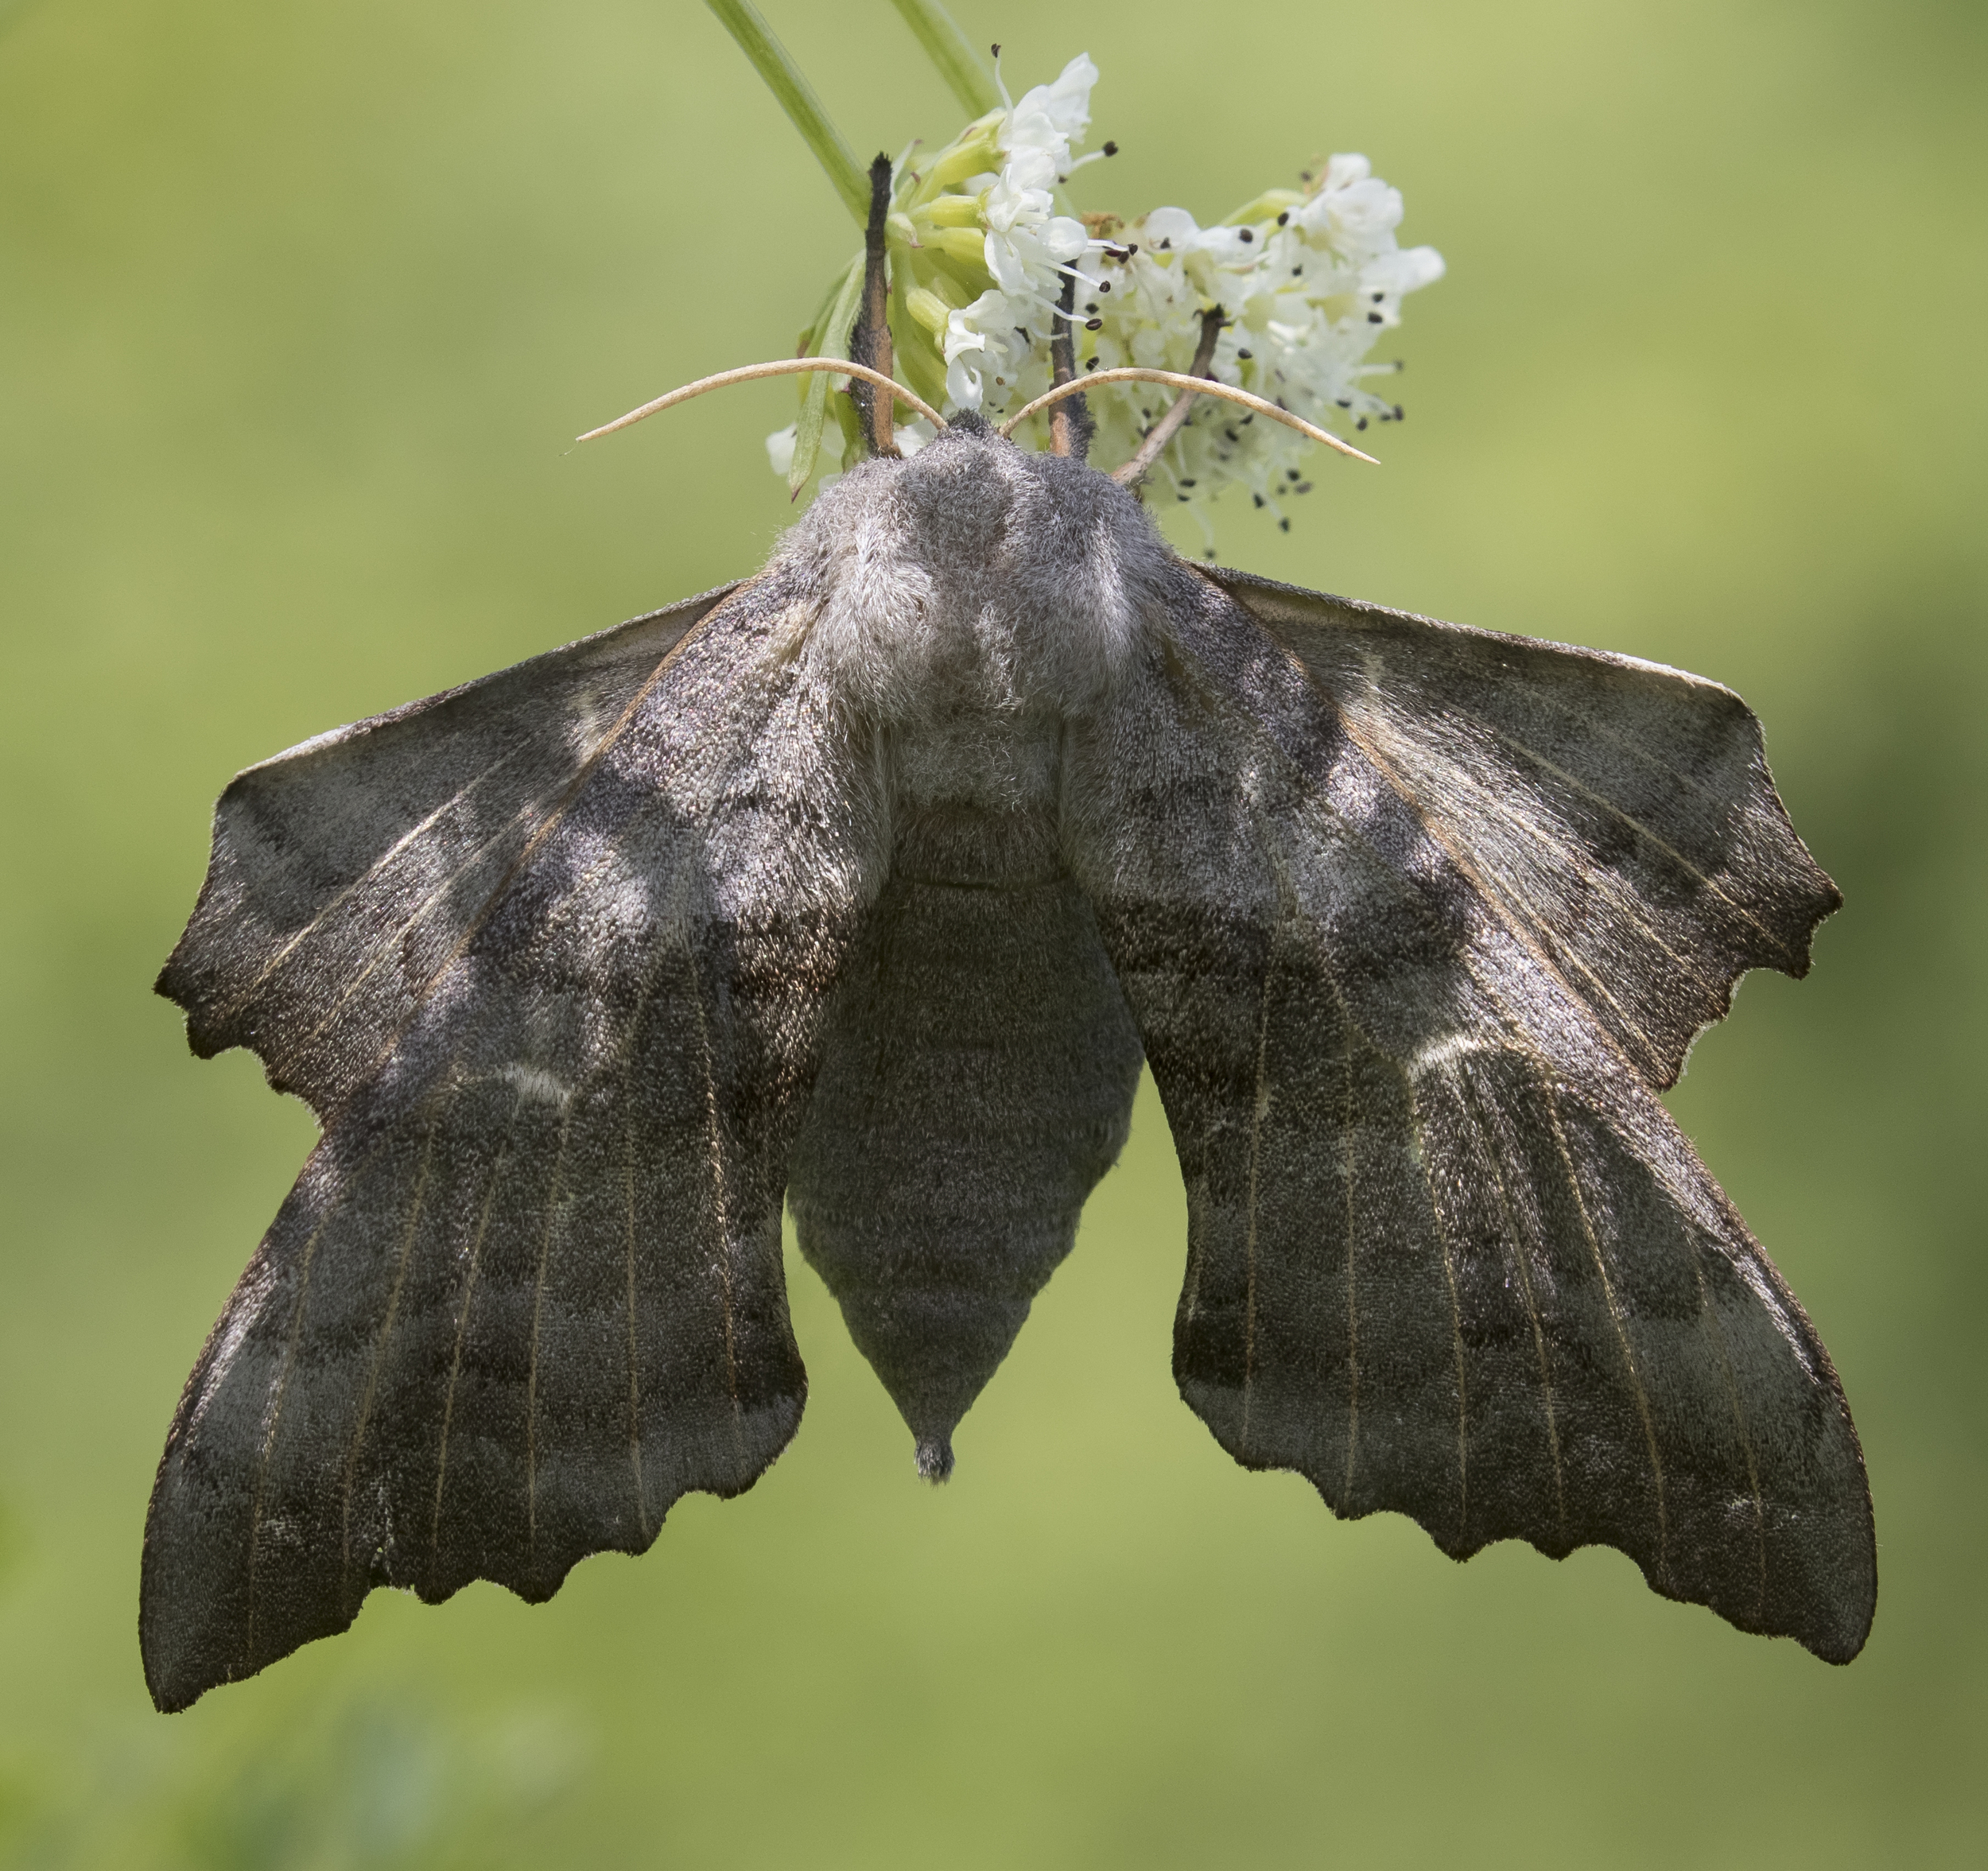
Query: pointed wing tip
{"x": 176, "y": 983}
{"x": 1824, "y": 902}
{"x": 171, "y": 982}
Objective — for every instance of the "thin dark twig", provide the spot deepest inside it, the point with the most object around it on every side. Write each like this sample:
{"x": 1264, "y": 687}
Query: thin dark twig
{"x": 1164, "y": 430}
{"x": 870, "y": 344}
{"x": 1071, "y": 425}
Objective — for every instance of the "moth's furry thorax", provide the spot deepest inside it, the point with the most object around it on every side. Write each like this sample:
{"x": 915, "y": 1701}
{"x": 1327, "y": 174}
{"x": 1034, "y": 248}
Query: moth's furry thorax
{"x": 974, "y": 576}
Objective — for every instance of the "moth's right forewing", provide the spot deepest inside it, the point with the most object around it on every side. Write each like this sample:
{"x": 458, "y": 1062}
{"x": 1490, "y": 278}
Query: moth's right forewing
{"x": 1447, "y": 1254}
{"x": 1619, "y": 815}
{"x": 528, "y": 1290}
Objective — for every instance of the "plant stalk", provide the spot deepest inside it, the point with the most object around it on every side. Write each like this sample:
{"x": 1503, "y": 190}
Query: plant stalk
{"x": 949, "y": 50}
{"x": 771, "y": 59}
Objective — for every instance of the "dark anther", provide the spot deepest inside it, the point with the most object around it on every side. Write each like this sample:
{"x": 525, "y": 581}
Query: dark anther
{"x": 1398, "y": 412}
{"x": 1284, "y": 526}
{"x": 1245, "y": 355}
{"x": 1104, "y": 285}
{"x": 1374, "y": 318}
{"x": 1304, "y": 175}
{"x": 1166, "y": 247}
{"x": 1290, "y": 474}
{"x": 1346, "y": 402}
{"x": 1302, "y": 487}
{"x": 1093, "y": 324}
{"x": 1186, "y": 483}
{"x": 997, "y": 49}
{"x": 1111, "y": 148}
{"x": 1295, "y": 271}
{"x": 1092, "y": 307}
{"x": 1091, "y": 363}
{"x": 1378, "y": 298}
{"x": 1181, "y": 498}
{"x": 1210, "y": 555}
{"x": 1247, "y": 234}
{"x": 1258, "y": 498}
{"x": 1283, "y": 220}
{"x": 1232, "y": 437}
{"x": 1360, "y": 423}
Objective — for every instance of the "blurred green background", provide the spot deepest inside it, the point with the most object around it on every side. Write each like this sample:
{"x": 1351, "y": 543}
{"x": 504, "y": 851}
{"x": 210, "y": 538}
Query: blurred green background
{"x": 300, "y": 303}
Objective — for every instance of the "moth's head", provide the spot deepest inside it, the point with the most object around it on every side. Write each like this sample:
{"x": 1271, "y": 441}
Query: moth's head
{"x": 975, "y": 563}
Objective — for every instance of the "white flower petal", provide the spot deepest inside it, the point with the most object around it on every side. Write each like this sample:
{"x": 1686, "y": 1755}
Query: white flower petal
{"x": 1174, "y": 225}
{"x": 963, "y": 384}
{"x": 1063, "y": 238}
{"x": 1068, "y": 101}
{"x": 1407, "y": 269}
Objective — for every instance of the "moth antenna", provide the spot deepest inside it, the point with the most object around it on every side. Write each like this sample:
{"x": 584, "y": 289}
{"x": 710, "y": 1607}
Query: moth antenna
{"x": 779, "y": 367}
{"x": 1201, "y": 386}
{"x": 1168, "y": 426}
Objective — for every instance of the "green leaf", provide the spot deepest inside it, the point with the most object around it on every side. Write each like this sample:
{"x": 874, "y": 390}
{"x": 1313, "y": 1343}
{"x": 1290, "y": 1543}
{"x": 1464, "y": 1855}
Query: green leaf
{"x": 831, "y": 339}
{"x": 770, "y": 58}
{"x": 948, "y": 48}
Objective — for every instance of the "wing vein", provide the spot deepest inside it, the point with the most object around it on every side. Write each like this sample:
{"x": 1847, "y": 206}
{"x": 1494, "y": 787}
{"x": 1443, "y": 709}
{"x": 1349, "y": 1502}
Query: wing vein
{"x": 630, "y": 1046}
{"x": 372, "y": 870}
{"x": 379, "y": 1350}
{"x": 1456, "y": 1310}
{"x": 550, "y": 824}
{"x": 1717, "y": 1333}
{"x": 1644, "y": 831}
{"x": 538, "y": 1311}
{"x": 1260, "y": 1107}
{"x": 266, "y": 1452}
{"x": 1491, "y": 900}
{"x": 721, "y": 1195}
{"x": 1616, "y": 1315}
{"x": 462, "y": 1329}
{"x": 1517, "y": 1247}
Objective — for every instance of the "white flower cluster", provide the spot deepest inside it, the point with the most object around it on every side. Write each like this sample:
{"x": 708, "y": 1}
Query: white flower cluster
{"x": 1304, "y": 280}
{"x": 989, "y": 344}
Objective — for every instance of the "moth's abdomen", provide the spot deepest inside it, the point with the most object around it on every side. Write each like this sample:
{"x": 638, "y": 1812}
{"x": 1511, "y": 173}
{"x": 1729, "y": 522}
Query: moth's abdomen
{"x": 976, "y": 1081}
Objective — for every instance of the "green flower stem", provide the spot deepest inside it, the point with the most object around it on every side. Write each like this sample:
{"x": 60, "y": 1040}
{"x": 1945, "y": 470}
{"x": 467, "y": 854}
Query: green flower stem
{"x": 741, "y": 19}
{"x": 948, "y": 48}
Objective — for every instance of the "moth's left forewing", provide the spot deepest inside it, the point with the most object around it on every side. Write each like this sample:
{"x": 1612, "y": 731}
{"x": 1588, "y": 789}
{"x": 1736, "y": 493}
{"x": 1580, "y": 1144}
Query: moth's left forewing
{"x": 1448, "y": 1253}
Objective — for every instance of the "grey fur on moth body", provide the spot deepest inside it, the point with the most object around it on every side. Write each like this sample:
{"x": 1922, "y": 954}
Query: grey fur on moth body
{"x": 865, "y": 885}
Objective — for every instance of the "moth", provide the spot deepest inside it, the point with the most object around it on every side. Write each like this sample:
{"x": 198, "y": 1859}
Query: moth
{"x": 864, "y": 887}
